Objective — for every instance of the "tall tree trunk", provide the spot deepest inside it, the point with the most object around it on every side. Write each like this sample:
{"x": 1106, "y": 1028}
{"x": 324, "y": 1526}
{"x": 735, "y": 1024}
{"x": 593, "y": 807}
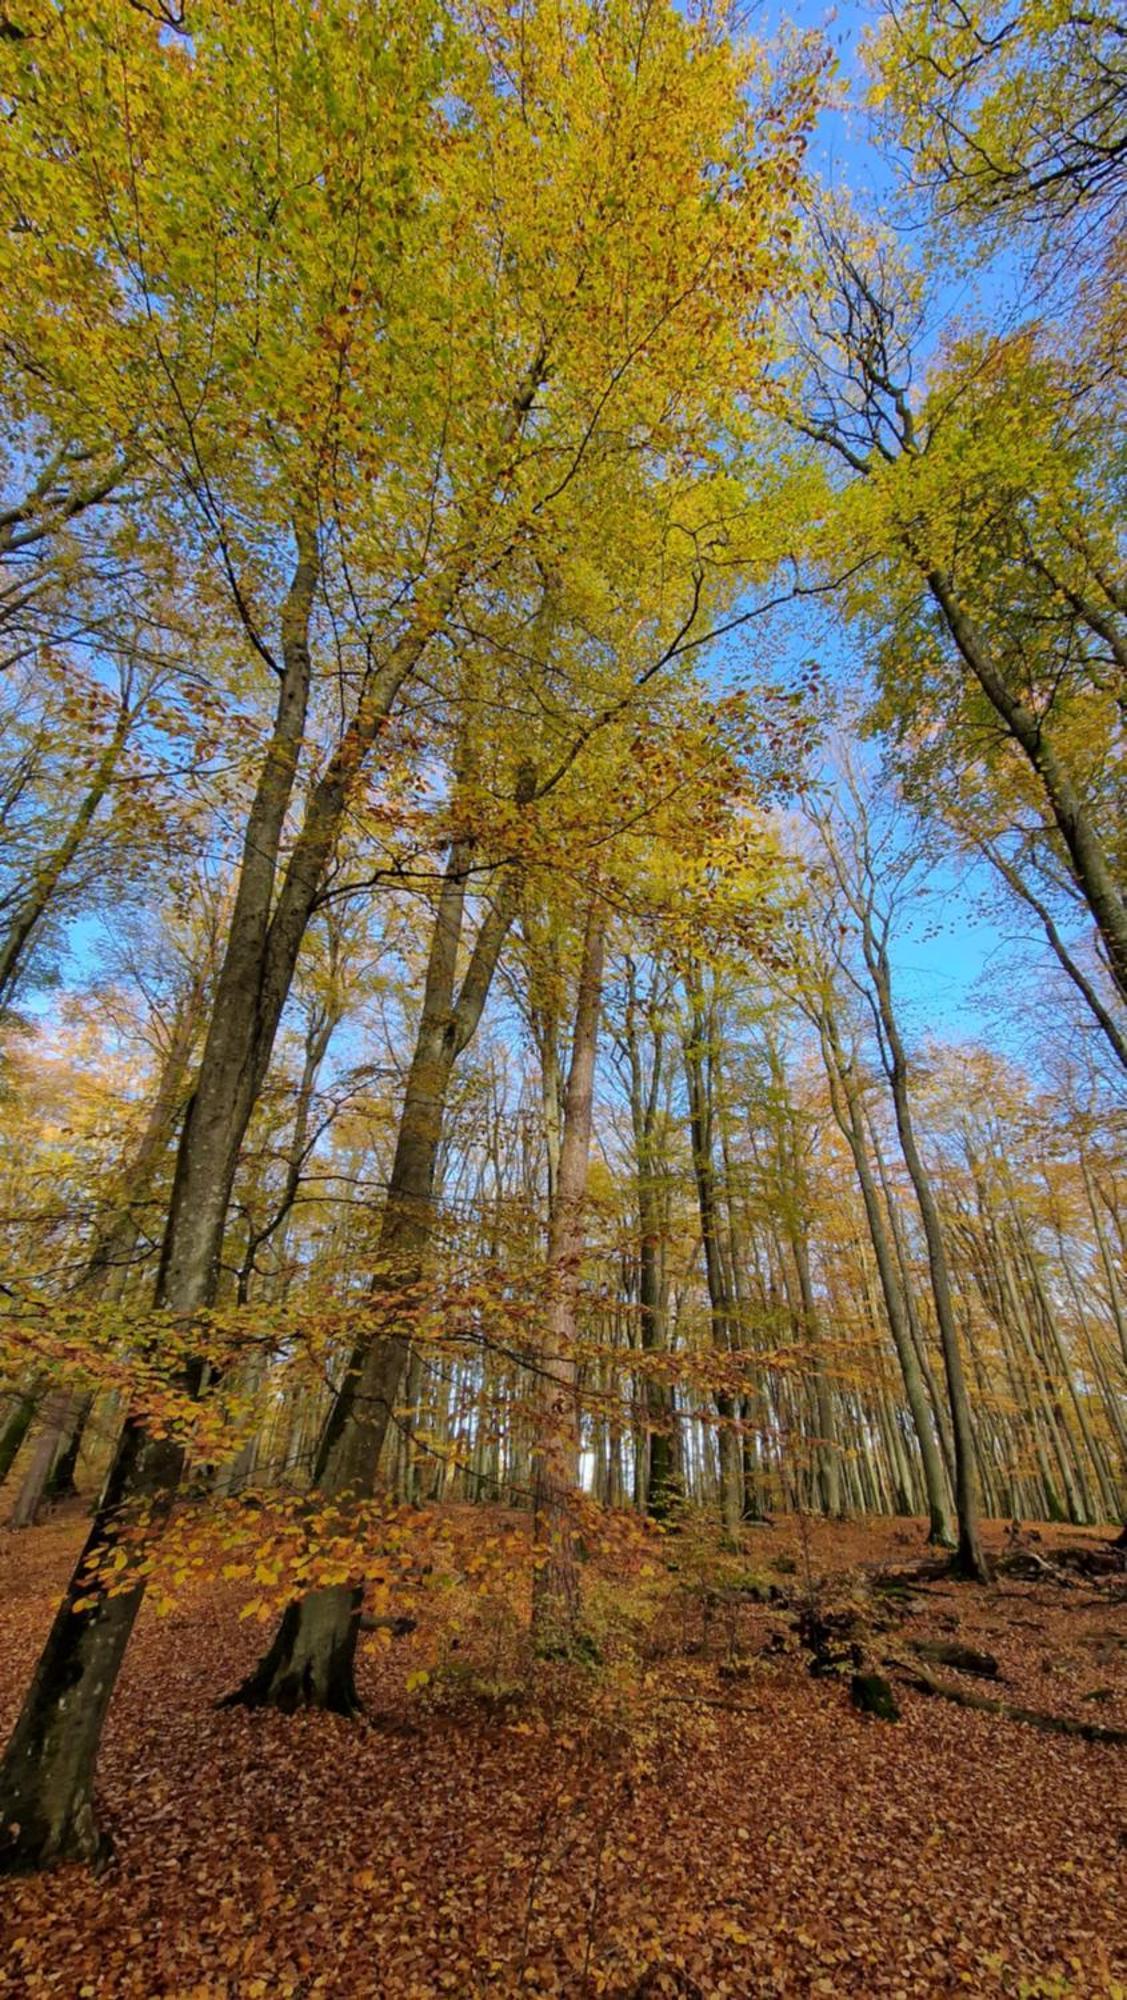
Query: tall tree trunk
{"x": 652, "y": 1315}
{"x": 845, "y": 1099}
{"x": 828, "y": 1454}
{"x": 51, "y": 1466}
{"x": 936, "y": 1397}
{"x": 311, "y": 1660}
{"x": 699, "y": 1057}
{"x": 555, "y": 1470}
{"x": 970, "y": 1560}
{"x": 58, "y": 1418}
{"x": 19, "y": 1417}
{"x": 62, "y": 1484}
{"x": 47, "y": 1773}
{"x": 1092, "y": 870}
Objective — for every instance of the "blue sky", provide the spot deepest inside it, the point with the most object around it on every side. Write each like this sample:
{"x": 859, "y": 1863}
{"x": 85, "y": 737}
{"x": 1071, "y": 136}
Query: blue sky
{"x": 950, "y": 956}
{"x": 952, "y": 961}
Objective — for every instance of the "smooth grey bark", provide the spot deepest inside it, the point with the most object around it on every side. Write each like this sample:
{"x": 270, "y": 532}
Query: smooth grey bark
{"x": 857, "y": 882}
{"x": 59, "y": 1415}
{"x": 232, "y": 1477}
{"x": 117, "y": 1231}
{"x": 317, "y": 1039}
{"x": 936, "y": 1397}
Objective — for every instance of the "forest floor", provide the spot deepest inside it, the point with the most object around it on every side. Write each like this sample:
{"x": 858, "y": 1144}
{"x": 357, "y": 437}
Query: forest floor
{"x": 696, "y": 1817}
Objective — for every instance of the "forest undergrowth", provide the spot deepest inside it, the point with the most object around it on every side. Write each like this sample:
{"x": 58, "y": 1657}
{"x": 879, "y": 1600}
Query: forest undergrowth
{"x": 687, "y": 1810}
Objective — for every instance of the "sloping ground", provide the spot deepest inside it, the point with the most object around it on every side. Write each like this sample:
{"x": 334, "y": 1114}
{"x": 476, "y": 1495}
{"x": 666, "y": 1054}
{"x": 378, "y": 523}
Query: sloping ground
{"x": 748, "y": 1834}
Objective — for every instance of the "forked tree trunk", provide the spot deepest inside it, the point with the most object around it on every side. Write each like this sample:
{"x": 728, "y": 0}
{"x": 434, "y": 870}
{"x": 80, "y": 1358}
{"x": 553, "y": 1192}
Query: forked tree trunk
{"x": 46, "y": 1776}
{"x": 311, "y": 1660}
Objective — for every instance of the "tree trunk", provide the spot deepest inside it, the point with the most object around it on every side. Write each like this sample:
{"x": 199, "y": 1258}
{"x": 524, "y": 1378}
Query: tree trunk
{"x": 61, "y": 1485}
{"x": 34, "y": 906}
{"x": 21, "y": 1415}
{"x": 555, "y": 1580}
{"x": 828, "y": 1453}
{"x": 58, "y": 1420}
{"x": 47, "y": 1773}
{"x": 51, "y": 1470}
{"x": 652, "y": 1315}
{"x": 310, "y": 1662}
{"x": 970, "y": 1560}
{"x": 1092, "y": 870}
{"x": 699, "y": 1053}
{"x": 47, "y": 1776}
{"x": 845, "y": 1099}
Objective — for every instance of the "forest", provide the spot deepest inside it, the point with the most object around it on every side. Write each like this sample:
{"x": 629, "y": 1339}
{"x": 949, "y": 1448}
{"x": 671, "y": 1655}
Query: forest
{"x": 563, "y": 999}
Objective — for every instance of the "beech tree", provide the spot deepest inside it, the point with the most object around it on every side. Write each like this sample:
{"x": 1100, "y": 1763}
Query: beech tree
{"x": 454, "y": 1044}
{"x": 865, "y": 873}
{"x": 289, "y": 417}
{"x": 967, "y": 508}
{"x": 1016, "y": 113}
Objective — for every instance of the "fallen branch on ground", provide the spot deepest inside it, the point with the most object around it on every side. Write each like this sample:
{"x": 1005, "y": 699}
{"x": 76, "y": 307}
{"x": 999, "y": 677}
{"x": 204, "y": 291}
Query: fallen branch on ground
{"x": 1059, "y": 1725}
